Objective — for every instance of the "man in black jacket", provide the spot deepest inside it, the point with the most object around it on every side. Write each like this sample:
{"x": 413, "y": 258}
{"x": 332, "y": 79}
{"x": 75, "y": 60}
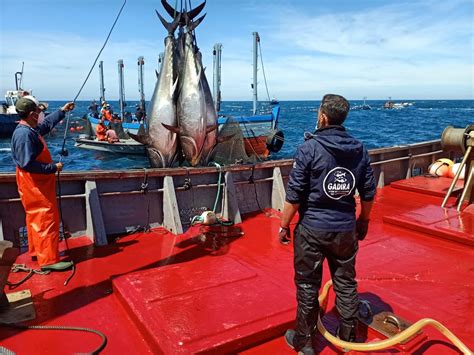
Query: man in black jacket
{"x": 329, "y": 166}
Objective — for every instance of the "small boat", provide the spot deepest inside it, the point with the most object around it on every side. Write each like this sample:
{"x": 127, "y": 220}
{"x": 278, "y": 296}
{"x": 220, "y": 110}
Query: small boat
{"x": 8, "y": 115}
{"x": 125, "y": 146}
{"x": 364, "y": 106}
{"x": 274, "y": 101}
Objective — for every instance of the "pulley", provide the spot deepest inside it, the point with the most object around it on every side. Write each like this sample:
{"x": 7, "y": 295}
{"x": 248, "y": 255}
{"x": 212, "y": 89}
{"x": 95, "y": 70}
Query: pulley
{"x": 457, "y": 139}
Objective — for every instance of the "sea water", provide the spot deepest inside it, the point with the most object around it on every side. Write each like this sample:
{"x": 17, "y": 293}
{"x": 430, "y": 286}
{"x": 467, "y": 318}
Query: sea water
{"x": 423, "y": 120}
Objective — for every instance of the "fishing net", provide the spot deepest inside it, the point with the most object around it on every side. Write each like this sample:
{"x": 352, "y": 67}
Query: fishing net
{"x": 232, "y": 149}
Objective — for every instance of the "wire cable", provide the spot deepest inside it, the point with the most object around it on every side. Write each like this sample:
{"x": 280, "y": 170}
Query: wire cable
{"x": 89, "y": 74}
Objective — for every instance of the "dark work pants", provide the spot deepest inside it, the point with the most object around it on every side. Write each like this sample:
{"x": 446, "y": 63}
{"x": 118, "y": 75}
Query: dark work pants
{"x": 310, "y": 250}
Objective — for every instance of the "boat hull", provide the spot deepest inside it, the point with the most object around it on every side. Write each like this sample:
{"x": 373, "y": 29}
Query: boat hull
{"x": 128, "y": 146}
{"x": 8, "y": 123}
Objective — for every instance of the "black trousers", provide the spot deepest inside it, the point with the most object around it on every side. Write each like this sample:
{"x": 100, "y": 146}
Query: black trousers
{"x": 310, "y": 250}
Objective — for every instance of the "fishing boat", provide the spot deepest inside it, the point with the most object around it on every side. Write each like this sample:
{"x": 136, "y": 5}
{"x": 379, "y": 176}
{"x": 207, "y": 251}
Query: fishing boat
{"x": 364, "y": 106}
{"x": 261, "y": 134}
{"x": 150, "y": 282}
{"x": 125, "y": 146}
{"x": 8, "y": 115}
{"x": 274, "y": 101}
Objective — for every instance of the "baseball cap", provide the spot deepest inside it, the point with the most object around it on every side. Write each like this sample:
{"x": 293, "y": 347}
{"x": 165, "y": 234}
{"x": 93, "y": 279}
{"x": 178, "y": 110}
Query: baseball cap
{"x": 26, "y": 104}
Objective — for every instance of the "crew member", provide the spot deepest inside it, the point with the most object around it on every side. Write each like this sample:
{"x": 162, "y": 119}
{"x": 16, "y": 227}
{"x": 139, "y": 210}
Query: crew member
{"x": 111, "y": 136}
{"x": 101, "y": 131}
{"x": 106, "y": 112}
{"x": 329, "y": 166}
{"x": 139, "y": 113}
{"x": 35, "y": 177}
{"x": 93, "y": 109}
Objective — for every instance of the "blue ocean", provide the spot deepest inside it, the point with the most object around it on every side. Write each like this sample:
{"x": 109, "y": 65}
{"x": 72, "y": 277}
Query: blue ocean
{"x": 422, "y": 120}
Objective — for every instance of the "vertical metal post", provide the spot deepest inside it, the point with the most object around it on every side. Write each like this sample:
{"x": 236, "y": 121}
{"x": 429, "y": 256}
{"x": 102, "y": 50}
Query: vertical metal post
{"x": 141, "y": 63}
{"x": 256, "y": 39}
{"x": 101, "y": 79}
{"x": 121, "y": 89}
{"x": 216, "y": 88}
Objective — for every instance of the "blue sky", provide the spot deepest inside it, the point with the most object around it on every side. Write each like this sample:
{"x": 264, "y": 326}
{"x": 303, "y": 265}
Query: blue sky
{"x": 403, "y": 49}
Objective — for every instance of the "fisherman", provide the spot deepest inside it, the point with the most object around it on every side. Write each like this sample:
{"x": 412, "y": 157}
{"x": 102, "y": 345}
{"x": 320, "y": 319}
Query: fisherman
{"x": 43, "y": 106}
{"x": 106, "y": 112}
{"x": 36, "y": 181}
{"x": 139, "y": 113}
{"x": 93, "y": 109}
{"x": 101, "y": 131}
{"x": 111, "y": 136}
{"x": 329, "y": 166}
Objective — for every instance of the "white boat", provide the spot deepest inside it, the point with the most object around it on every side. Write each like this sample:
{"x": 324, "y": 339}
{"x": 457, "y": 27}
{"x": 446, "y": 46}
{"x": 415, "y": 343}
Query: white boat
{"x": 124, "y": 146}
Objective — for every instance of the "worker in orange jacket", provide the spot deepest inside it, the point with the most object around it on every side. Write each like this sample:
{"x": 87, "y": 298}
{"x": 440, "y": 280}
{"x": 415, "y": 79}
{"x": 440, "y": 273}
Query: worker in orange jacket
{"x": 101, "y": 131}
{"x": 35, "y": 176}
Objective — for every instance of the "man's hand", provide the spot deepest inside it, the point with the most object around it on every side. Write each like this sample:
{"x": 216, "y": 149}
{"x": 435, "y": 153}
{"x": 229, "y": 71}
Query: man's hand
{"x": 362, "y": 227}
{"x": 68, "y": 107}
{"x": 59, "y": 166}
{"x": 284, "y": 235}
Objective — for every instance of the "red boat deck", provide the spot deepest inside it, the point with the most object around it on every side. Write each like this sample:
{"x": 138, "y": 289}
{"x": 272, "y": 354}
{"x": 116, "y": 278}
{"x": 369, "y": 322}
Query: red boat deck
{"x": 155, "y": 292}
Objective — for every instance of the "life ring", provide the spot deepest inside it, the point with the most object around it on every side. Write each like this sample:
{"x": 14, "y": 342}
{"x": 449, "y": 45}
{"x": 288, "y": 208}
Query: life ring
{"x": 275, "y": 139}
{"x": 441, "y": 167}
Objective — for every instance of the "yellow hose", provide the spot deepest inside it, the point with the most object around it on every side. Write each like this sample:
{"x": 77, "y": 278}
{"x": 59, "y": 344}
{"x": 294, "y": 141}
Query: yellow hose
{"x": 383, "y": 344}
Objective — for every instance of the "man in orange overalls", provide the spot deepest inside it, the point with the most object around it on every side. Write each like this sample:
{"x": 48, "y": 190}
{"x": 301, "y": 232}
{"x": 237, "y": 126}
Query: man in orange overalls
{"x": 35, "y": 177}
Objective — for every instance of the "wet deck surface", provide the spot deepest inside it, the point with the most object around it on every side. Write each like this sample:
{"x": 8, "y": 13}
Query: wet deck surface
{"x": 152, "y": 292}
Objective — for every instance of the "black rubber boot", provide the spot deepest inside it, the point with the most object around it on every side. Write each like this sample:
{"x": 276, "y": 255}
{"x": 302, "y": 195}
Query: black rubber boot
{"x": 303, "y": 349}
{"x": 347, "y": 332}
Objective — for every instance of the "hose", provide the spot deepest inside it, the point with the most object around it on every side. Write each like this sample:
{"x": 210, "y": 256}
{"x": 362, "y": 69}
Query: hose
{"x": 383, "y": 344}
{"x": 55, "y": 327}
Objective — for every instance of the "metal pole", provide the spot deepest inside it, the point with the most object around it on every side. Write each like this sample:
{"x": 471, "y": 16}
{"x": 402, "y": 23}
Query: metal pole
{"x": 141, "y": 63}
{"x": 121, "y": 89}
{"x": 456, "y": 177}
{"x": 217, "y": 76}
{"x": 101, "y": 78}
{"x": 256, "y": 39}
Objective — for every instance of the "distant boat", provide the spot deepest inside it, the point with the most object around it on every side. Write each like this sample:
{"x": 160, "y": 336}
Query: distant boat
{"x": 274, "y": 101}
{"x": 364, "y": 106}
{"x": 389, "y": 104}
{"x": 8, "y": 116}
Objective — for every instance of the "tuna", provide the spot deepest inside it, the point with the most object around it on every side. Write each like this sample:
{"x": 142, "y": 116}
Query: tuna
{"x": 161, "y": 142}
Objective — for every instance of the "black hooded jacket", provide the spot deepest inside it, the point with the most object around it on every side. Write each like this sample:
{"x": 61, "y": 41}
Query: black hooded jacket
{"x": 328, "y": 168}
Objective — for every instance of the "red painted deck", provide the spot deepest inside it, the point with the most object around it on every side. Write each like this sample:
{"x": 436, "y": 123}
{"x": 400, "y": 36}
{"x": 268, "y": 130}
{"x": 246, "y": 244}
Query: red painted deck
{"x": 155, "y": 292}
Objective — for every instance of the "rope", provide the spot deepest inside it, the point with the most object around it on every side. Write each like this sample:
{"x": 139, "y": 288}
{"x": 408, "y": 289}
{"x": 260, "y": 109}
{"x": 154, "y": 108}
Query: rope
{"x": 219, "y": 167}
{"x": 263, "y": 70}
{"x": 23, "y": 268}
{"x": 56, "y": 327}
{"x": 88, "y": 75}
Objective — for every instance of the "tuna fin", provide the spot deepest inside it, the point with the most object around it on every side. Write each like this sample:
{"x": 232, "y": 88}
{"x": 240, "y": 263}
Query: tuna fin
{"x": 211, "y": 128}
{"x": 143, "y": 139}
{"x": 175, "y": 13}
{"x": 157, "y": 74}
{"x": 171, "y": 128}
{"x": 170, "y": 26}
{"x": 193, "y": 24}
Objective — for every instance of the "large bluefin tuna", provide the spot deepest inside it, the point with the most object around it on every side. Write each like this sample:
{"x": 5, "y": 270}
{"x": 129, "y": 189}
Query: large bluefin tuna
{"x": 191, "y": 103}
{"x": 161, "y": 142}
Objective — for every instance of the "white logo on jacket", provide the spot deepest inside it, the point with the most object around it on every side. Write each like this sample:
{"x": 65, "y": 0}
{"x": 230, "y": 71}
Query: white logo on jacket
{"x": 339, "y": 182}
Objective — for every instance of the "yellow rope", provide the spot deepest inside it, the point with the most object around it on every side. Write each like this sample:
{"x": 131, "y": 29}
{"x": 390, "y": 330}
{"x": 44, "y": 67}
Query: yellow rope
{"x": 383, "y": 344}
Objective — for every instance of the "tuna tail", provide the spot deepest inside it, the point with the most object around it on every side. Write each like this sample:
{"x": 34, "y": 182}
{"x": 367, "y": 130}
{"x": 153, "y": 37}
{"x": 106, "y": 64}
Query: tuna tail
{"x": 193, "y": 24}
{"x": 175, "y": 13}
{"x": 170, "y": 26}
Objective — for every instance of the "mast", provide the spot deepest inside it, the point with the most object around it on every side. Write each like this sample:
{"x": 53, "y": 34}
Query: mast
{"x": 141, "y": 63}
{"x": 216, "y": 88}
{"x": 121, "y": 89}
{"x": 256, "y": 39}
{"x": 19, "y": 77}
{"x": 101, "y": 78}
